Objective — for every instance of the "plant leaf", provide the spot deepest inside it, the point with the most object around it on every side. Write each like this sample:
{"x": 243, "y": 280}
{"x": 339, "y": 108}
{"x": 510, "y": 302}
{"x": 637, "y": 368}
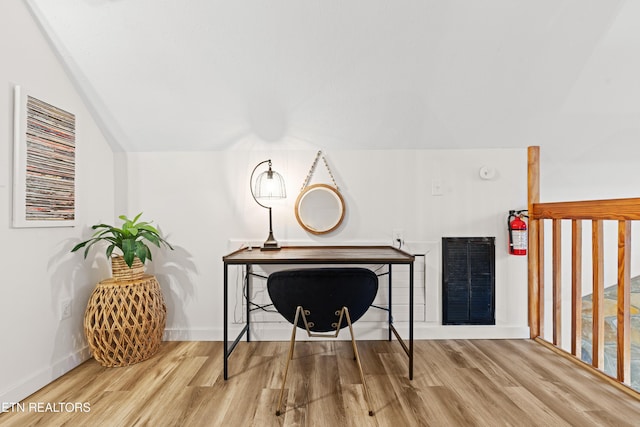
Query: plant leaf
{"x": 91, "y": 243}
{"x": 128, "y": 251}
{"x": 148, "y": 227}
{"x": 142, "y": 251}
{"x": 153, "y": 238}
{"x": 167, "y": 244}
{"x": 79, "y": 245}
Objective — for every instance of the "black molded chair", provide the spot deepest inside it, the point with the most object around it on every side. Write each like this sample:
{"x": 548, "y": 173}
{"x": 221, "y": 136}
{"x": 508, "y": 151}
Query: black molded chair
{"x": 323, "y": 300}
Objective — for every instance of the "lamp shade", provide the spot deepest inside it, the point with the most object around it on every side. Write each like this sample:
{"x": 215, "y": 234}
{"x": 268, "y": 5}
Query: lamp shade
{"x": 269, "y": 185}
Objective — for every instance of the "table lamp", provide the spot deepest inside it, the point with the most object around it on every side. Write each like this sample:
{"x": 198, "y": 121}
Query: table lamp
{"x": 268, "y": 185}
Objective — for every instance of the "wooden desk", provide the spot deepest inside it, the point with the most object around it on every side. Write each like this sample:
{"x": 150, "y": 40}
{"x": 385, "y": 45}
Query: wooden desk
{"x": 317, "y": 255}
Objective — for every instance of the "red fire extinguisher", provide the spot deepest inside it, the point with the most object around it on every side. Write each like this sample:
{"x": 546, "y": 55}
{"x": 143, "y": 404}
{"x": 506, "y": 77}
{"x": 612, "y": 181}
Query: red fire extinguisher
{"x": 518, "y": 240}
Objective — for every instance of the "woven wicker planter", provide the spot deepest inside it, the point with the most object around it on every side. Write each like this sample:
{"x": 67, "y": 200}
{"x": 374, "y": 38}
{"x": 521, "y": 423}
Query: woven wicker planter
{"x": 124, "y": 321}
{"x": 121, "y": 271}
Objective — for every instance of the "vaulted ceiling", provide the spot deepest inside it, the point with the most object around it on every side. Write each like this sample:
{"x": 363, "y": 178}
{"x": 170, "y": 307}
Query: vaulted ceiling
{"x": 212, "y": 74}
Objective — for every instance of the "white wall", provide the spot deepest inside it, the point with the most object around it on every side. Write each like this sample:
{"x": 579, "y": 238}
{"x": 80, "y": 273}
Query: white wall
{"x": 37, "y": 269}
{"x": 202, "y": 201}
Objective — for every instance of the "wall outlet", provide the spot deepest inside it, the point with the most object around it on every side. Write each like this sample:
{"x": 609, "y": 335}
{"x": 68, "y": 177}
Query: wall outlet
{"x": 65, "y": 309}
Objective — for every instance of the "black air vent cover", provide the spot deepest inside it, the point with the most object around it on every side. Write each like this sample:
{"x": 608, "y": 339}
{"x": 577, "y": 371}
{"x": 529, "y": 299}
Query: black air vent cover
{"x": 468, "y": 280}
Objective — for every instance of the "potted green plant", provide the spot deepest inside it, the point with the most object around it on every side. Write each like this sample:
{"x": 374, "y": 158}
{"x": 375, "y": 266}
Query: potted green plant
{"x": 130, "y": 239}
{"x": 126, "y": 315}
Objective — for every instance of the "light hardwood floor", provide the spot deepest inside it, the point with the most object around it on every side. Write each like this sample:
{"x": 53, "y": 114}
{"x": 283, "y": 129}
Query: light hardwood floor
{"x": 456, "y": 383}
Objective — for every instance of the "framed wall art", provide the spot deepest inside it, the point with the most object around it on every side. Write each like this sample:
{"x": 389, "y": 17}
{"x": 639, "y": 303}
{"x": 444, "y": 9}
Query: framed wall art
{"x": 44, "y": 160}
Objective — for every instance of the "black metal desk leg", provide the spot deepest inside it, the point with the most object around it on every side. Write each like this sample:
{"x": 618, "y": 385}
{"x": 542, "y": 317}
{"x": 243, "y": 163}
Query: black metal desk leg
{"x": 248, "y": 299}
{"x": 225, "y": 325}
{"x": 411, "y": 321}
{"x": 390, "y": 304}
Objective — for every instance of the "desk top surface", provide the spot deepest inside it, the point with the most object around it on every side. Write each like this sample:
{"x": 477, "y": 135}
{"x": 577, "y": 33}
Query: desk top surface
{"x": 320, "y": 255}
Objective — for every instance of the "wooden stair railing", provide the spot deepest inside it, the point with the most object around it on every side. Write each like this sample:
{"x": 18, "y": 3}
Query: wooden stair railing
{"x": 621, "y": 210}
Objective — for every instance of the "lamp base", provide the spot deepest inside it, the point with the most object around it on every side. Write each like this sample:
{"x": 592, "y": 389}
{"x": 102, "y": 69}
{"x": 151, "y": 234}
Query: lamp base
{"x": 271, "y": 244}
{"x": 270, "y": 247}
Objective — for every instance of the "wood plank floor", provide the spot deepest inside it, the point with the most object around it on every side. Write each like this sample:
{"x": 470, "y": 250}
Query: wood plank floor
{"x": 456, "y": 383}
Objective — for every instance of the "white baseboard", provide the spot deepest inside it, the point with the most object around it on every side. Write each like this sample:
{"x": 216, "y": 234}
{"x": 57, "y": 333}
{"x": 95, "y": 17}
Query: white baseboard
{"x": 427, "y": 331}
{"x": 18, "y": 392}
{"x": 213, "y": 334}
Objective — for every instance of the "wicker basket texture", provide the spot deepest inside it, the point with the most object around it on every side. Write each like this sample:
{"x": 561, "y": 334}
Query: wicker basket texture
{"x": 121, "y": 271}
{"x": 124, "y": 321}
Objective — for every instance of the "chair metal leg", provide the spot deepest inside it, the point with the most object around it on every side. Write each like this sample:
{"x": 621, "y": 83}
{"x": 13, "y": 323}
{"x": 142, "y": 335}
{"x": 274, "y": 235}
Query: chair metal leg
{"x": 357, "y": 356}
{"x": 286, "y": 369}
{"x": 344, "y": 312}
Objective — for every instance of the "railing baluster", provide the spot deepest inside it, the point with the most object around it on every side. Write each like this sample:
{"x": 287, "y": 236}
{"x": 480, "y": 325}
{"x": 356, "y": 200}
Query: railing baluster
{"x": 576, "y": 288}
{"x": 624, "y": 301}
{"x": 541, "y": 276}
{"x": 597, "y": 297}
{"x": 557, "y": 282}
{"x": 535, "y": 303}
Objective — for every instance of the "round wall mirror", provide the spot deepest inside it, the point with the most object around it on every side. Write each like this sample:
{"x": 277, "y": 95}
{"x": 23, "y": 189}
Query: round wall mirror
{"x": 320, "y": 208}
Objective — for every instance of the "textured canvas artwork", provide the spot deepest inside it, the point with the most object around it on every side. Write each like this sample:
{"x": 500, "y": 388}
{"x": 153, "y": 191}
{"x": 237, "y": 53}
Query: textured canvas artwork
{"x": 45, "y": 160}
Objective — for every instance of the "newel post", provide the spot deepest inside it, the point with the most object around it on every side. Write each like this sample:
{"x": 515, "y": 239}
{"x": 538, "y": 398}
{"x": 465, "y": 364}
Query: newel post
{"x": 533, "y": 196}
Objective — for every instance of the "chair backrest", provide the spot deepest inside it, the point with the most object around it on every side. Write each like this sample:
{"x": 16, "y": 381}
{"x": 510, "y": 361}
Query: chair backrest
{"x": 323, "y": 292}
